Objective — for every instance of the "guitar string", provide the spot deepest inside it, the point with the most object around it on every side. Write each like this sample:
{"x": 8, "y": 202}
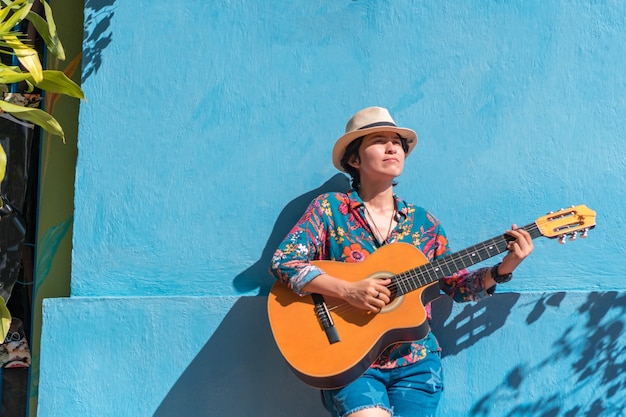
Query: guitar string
{"x": 408, "y": 276}
{"x": 423, "y": 273}
{"x": 453, "y": 263}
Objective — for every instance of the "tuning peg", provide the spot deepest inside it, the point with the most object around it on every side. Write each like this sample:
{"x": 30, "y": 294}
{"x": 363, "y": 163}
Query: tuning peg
{"x": 572, "y": 236}
{"x": 584, "y": 233}
{"x": 562, "y": 240}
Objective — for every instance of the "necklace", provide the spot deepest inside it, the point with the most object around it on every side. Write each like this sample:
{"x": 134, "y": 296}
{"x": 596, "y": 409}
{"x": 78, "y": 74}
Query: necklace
{"x": 379, "y": 236}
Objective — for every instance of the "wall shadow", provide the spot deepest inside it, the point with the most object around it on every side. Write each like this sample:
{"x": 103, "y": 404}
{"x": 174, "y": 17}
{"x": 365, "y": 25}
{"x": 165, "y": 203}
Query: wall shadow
{"x": 97, "y": 34}
{"x": 475, "y": 322}
{"x": 592, "y": 348}
{"x": 240, "y": 372}
{"x": 257, "y": 276}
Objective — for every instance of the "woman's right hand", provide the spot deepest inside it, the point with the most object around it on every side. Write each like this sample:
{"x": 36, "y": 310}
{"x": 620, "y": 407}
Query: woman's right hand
{"x": 369, "y": 294}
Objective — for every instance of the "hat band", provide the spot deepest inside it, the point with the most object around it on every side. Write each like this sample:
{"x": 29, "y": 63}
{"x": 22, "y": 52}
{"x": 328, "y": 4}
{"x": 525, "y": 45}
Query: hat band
{"x": 377, "y": 124}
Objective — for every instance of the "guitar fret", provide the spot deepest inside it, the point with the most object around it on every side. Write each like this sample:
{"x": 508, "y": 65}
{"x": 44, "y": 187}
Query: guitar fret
{"x": 448, "y": 265}
{"x": 419, "y": 280}
{"x": 403, "y": 282}
{"x": 432, "y": 272}
{"x": 428, "y": 274}
{"x": 462, "y": 262}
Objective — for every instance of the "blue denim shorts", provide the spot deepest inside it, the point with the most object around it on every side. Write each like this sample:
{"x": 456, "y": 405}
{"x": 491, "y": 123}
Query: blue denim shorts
{"x": 407, "y": 391}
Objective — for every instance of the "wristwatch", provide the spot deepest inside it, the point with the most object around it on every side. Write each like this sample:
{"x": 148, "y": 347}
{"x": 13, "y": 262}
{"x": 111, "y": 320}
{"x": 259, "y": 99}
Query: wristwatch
{"x": 500, "y": 279}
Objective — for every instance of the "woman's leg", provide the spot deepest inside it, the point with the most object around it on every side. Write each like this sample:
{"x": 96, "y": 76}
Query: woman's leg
{"x": 416, "y": 389}
{"x": 365, "y": 397}
{"x": 370, "y": 412}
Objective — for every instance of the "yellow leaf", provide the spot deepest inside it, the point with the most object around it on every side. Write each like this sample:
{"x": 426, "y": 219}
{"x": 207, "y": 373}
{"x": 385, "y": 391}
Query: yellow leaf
{"x": 27, "y": 56}
{"x": 36, "y": 116}
{"x": 5, "y": 319}
{"x": 3, "y": 164}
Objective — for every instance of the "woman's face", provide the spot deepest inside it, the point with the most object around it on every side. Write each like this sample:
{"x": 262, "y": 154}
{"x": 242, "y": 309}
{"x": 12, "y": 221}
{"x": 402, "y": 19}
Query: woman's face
{"x": 381, "y": 155}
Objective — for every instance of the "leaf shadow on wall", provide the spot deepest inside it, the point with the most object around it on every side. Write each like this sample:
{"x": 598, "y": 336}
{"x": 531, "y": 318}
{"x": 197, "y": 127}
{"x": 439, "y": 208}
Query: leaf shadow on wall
{"x": 592, "y": 349}
{"x": 257, "y": 276}
{"x": 97, "y": 35}
{"x": 240, "y": 372}
{"x": 475, "y": 322}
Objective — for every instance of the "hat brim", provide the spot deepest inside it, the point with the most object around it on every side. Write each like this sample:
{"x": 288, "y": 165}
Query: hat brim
{"x": 342, "y": 143}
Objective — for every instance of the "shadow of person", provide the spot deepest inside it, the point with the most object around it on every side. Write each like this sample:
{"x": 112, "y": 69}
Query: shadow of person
{"x": 239, "y": 372}
{"x": 257, "y": 276}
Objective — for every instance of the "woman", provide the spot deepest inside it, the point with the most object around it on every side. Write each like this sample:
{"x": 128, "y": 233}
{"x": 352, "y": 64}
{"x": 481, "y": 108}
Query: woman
{"x": 406, "y": 379}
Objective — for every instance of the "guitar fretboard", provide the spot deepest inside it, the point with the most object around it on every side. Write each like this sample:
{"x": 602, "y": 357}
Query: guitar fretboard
{"x": 426, "y": 274}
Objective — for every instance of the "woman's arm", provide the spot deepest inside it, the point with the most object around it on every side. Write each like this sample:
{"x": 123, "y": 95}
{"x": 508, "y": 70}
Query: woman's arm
{"x": 472, "y": 286}
{"x": 291, "y": 264}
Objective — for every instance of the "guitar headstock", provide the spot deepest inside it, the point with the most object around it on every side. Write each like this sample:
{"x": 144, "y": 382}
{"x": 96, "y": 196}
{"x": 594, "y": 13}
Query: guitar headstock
{"x": 567, "y": 223}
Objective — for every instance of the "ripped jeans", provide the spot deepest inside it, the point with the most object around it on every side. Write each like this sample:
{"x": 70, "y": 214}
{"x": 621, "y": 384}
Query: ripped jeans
{"x": 408, "y": 391}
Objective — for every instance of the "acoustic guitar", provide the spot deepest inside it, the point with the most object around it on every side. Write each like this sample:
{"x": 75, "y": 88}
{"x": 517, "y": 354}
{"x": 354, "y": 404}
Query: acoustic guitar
{"x": 328, "y": 343}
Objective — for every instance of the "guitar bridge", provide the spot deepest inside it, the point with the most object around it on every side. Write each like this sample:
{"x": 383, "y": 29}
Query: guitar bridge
{"x": 325, "y": 319}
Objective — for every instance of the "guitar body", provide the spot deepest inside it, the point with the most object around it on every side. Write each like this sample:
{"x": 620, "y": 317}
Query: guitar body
{"x": 363, "y": 335}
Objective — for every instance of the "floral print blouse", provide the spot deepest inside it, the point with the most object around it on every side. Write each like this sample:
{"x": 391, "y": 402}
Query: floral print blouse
{"x": 334, "y": 227}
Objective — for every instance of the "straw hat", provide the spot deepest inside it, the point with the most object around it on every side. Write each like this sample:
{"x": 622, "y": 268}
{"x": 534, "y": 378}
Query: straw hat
{"x": 366, "y": 121}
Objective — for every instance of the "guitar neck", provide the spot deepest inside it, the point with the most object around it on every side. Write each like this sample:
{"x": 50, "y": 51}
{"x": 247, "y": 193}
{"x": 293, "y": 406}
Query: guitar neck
{"x": 427, "y": 274}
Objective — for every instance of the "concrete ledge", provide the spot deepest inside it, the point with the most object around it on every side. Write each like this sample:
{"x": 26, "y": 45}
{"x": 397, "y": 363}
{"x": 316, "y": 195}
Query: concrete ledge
{"x": 513, "y": 354}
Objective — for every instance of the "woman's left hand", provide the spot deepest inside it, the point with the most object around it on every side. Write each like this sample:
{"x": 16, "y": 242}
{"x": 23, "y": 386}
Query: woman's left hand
{"x": 519, "y": 249}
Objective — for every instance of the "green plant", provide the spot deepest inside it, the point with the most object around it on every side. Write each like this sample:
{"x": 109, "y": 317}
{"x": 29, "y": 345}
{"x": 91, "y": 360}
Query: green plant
{"x": 30, "y": 71}
{"x": 28, "y": 76}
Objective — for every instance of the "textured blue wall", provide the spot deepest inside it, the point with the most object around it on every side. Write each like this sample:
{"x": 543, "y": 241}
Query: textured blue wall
{"x": 209, "y": 128}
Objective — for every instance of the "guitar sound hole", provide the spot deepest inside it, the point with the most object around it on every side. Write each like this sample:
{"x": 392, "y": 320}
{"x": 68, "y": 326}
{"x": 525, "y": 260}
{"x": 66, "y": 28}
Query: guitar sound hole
{"x": 395, "y": 300}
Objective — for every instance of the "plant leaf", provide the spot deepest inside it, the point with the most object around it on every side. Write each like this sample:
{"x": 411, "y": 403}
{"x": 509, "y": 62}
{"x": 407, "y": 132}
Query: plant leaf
{"x": 51, "y": 99}
{"x": 9, "y": 75}
{"x": 57, "y": 82}
{"x": 20, "y": 9}
{"x": 5, "y": 319}
{"x": 57, "y": 48}
{"x": 36, "y": 116}
{"x": 48, "y": 31}
{"x": 4, "y": 12}
{"x": 53, "y": 81}
{"x": 3, "y": 166}
{"x": 27, "y": 57}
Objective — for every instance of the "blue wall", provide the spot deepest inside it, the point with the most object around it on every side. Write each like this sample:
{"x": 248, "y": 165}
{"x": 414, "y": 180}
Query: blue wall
{"x": 208, "y": 129}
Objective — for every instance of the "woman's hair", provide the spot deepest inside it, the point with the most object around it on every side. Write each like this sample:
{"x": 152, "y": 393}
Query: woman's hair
{"x": 352, "y": 151}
